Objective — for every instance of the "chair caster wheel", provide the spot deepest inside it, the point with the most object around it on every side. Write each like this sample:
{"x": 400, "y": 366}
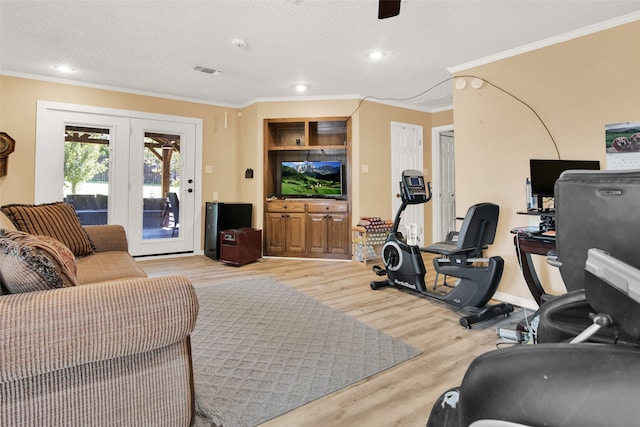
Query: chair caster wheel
{"x": 374, "y": 286}
{"x": 465, "y": 322}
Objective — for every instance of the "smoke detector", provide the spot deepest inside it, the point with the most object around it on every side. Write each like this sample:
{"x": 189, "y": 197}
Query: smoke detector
{"x": 238, "y": 43}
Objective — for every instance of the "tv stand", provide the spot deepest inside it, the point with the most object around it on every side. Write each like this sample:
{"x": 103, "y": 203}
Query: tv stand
{"x": 307, "y": 228}
{"x": 310, "y": 227}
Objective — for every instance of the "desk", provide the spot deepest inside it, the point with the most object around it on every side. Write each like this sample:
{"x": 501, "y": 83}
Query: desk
{"x": 526, "y": 246}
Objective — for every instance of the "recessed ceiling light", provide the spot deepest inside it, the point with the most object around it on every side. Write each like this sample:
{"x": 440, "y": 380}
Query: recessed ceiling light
{"x": 376, "y": 54}
{"x": 301, "y": 87}
{"x": 63, "y": 68}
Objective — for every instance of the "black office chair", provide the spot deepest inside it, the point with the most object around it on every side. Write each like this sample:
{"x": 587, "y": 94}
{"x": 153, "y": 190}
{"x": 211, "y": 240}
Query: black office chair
{"x": 593, "y": 209}
{"x": 174, "y": 210}
{"x": 564, "y": 384}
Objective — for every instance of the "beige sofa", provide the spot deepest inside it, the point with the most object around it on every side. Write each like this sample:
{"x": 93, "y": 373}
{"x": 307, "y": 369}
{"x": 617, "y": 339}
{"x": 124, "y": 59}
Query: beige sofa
{"x": 112, "y": 350}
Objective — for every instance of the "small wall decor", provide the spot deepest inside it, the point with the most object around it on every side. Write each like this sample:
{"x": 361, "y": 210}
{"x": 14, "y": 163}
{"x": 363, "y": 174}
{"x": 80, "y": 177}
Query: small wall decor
{"x": 622, "y": 144}
{"x": 7, "y": 145}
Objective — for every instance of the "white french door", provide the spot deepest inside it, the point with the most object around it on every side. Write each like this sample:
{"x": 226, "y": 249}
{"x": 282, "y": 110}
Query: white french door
{"x": 139, "y": 160}
{"x": 150, "y": 231}
{"x": 407, "y": 153}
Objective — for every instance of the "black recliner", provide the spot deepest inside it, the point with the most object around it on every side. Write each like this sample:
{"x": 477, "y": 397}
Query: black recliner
{"x": 556, "y": 382}
{"x": 593, "y": 209}
{"x": 562, "y": 384}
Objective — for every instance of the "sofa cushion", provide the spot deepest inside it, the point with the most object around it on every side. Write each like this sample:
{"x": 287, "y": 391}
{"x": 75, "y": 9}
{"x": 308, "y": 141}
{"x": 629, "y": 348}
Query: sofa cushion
{"x": 30, "y": 263}
{"x": 105, "y": 266}
{"x": 57, "y": 220}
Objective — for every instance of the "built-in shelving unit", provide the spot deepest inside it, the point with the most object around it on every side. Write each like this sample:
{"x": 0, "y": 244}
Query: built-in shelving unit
{"x": 307, "y": 226}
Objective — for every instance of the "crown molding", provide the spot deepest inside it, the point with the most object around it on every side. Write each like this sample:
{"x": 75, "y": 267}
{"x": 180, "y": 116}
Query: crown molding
{"x": 591, "y": 29}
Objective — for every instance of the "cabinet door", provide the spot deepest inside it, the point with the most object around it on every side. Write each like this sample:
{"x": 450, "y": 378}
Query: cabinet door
{"x": 338, "y": 233}
{"x": 316, "y": 233}
{"x": 294, "y": 234}
{"x": 275, "y": 233}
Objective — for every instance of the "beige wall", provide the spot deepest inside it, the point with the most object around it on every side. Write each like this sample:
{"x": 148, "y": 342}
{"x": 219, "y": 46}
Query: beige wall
{"x": 229, "y": 150}
{"x": 577, "y": 87}
{"x": 371, "y": 145}
{"x": 18, "y": 103}
{"x": 375, "y": 151}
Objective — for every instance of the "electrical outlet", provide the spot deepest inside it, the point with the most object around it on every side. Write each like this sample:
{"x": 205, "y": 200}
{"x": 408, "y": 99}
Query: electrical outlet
{"x": 215, "y": 195}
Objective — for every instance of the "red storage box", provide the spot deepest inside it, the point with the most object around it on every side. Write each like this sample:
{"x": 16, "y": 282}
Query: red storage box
{"x": 240, "y": 246}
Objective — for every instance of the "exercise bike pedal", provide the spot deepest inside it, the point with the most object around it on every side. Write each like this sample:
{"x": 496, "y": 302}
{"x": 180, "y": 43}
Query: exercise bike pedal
{"x": 379, "y": 270}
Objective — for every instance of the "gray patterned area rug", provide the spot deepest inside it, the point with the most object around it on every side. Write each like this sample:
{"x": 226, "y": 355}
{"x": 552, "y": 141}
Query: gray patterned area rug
{"x": 261, "y": 348}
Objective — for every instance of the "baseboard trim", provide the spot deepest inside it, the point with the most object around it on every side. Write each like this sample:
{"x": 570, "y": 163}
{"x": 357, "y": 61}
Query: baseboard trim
{"x": 512, "y": 299}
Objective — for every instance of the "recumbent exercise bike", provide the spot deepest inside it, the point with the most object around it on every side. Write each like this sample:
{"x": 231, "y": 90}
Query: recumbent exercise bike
{"x": 475, "y": 284}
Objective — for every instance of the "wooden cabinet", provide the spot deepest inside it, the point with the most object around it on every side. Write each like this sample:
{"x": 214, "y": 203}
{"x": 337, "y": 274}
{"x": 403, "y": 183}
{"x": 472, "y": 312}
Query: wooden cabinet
{"x": 315, "y": 229}
{"x": 285, "y": 229}
{"x": 328, "y": 229}
{"x": 309, "y": 224}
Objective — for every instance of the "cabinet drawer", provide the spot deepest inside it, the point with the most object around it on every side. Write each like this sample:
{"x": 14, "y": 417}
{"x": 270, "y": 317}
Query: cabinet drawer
{"x": 285, "y": 206}
{"x": 327, "y": 207}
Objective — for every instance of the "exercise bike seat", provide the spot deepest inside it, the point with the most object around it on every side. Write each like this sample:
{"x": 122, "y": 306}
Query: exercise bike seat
{"x": 477, "y": 232}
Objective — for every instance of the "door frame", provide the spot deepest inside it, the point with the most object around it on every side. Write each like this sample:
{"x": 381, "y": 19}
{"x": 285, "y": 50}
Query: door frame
{"x": 43, "y": 158}
{"x": 436, "y": 199}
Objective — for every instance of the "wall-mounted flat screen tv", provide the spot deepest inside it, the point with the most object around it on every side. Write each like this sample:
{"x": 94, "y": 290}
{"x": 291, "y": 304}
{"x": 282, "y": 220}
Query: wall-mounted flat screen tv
{"x": 311, "y": 179}
{"x": 545, "y": 173}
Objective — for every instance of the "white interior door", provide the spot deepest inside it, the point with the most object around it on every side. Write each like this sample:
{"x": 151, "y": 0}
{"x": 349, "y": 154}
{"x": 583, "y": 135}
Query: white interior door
{"x": 406, "y": 153}
{"x": 446, "y": 178}
{"x": 444, "y": 195}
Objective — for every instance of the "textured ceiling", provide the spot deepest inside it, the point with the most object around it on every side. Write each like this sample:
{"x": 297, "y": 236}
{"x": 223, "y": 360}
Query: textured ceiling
{"x": 153, "y": 46}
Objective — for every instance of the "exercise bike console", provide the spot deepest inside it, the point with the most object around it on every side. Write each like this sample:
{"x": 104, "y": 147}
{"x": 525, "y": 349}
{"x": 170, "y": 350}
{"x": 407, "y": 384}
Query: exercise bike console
{"x": 413, "y": 189}
{"x": 476, "y": 284}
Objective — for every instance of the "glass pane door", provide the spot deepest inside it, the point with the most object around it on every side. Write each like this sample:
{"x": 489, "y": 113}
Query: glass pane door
{"x": 86, "y": 172}
{"x": 161, "y": 182}
{"x": 161, "y": 187}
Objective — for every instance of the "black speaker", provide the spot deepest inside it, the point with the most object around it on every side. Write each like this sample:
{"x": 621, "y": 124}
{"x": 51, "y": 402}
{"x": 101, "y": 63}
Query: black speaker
{"x": 223, "y": 216}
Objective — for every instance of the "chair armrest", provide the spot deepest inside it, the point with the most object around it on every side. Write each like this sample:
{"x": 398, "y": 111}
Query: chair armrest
{"x": 552, "y": 259}
{"x": 572, "y": 385}
{"x": 51, "y": 330}
{"x": 108, "y": 237}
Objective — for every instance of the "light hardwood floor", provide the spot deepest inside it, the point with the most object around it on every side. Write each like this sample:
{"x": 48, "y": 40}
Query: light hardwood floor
{"x": 400, "y": 396}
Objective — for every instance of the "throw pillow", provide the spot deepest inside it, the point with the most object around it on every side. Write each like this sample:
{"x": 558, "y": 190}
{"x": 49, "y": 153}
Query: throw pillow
{"x": 59, "y": 254}
{"x": 28, "y": 267}
{"x": 58, "y": 220}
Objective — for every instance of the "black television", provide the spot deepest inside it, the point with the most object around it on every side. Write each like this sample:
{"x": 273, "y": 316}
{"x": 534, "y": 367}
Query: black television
{"x": 545, "y": 173}
{"x": 311, "y": 179}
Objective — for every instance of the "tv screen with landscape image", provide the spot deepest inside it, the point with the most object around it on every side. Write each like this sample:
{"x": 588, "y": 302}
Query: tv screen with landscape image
{"x": 311, "y": 179}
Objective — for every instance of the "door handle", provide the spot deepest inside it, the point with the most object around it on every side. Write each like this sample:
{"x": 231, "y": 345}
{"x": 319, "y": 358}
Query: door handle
{"x": 190, "y": 190}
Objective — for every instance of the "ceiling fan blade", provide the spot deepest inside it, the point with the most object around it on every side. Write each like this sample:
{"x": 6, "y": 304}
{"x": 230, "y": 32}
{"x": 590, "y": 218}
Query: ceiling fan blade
{"x": 388, "y": 8}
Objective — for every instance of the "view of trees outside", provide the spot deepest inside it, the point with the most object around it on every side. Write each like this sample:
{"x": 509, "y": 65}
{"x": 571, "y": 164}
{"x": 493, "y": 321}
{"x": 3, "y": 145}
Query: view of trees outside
{"x": 83, "y": 161}
{"x": 86, "y": 170}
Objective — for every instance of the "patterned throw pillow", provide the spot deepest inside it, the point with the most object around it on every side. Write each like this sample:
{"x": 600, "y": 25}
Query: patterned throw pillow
{"x": 32, "y": 263}
{"x": 61, "y": 256}
{"x": 58, "y": 220}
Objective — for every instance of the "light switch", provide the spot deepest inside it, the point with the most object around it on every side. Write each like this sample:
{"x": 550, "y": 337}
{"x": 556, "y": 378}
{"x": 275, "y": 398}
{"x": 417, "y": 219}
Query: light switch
{"x": 365, "y": 168}
{"x": 215, "y": 195}
{"x": 208, "y": 169}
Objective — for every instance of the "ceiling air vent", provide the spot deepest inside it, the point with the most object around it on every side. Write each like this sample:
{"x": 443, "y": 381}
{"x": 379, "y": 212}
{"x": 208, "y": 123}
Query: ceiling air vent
{"x": 207, "y": 70}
